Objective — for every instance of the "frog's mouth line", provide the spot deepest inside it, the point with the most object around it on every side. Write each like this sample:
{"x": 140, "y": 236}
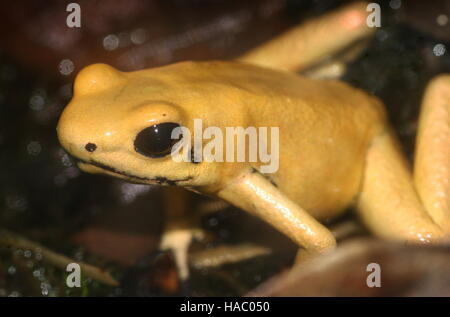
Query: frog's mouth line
{"x": 159, "y": 179}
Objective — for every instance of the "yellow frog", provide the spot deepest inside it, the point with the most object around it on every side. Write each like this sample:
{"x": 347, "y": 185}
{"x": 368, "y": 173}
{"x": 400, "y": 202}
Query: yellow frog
{"x": 336, "y": 148}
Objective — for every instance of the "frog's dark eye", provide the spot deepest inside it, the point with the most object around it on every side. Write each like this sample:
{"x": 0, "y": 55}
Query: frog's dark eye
{"x": 156, "y": 141}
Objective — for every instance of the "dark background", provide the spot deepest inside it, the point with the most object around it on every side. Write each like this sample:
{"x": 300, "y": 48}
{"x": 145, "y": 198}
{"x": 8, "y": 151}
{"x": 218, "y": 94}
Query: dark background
{"x": 115, "y": 225}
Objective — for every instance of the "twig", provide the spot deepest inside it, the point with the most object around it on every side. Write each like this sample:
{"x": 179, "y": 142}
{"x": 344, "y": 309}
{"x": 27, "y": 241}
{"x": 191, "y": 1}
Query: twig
{"x": 226, "y": 254}
{"x": 10, "y": 239}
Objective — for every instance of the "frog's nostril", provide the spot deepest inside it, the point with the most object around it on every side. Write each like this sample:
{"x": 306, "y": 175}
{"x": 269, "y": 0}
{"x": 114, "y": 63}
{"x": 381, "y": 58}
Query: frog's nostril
{"x": 90, "y": 147}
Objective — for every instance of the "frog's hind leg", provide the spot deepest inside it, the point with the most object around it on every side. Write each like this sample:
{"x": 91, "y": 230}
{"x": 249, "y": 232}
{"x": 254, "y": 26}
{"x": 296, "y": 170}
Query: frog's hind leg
{"x": 309, "y": 43}
{"x": 388, "y": 202}
{"x": 432, "y": 160}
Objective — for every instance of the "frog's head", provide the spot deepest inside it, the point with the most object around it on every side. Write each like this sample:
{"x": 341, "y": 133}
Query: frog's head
{"x": 120, "y": 124}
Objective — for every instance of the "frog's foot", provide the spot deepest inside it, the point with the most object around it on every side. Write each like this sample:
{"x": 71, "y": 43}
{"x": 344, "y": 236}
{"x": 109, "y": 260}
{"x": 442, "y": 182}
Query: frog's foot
{"x": 178, "y": 242}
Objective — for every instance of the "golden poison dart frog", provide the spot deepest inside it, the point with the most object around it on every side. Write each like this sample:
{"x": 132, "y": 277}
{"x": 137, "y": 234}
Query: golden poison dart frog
{"x": 335, "y": 147}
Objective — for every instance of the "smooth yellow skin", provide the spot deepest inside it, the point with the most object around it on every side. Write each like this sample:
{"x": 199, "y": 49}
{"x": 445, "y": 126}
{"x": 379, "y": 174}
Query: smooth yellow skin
{"x": 336, "y": 146}
{"x": 327, "y": 131}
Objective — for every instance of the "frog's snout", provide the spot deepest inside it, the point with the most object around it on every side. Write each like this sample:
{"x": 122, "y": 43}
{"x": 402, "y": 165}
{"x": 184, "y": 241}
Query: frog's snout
{"x": 74, "y": 137}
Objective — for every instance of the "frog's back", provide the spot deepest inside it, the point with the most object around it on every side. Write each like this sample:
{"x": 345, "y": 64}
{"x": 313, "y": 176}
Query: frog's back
{"x": 323, "y": 145}
{"x": 325, "y": 128}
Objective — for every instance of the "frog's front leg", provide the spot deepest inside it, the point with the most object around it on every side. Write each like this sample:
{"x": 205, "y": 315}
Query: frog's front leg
{"x": 390, "y": 202}
{"x": 180, "y": 229}
{"x": 255, "y": 194}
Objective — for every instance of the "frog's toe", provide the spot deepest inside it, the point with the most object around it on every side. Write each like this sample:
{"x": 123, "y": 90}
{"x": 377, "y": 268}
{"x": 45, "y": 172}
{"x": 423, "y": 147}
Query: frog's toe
{"x": 178, "y": 242}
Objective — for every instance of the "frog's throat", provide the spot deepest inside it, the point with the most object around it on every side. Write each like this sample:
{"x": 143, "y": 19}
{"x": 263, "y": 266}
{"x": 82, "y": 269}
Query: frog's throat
{"x": 161, "y": 180}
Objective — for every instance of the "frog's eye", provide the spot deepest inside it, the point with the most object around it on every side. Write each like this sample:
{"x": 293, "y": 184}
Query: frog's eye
{"x": 156, "y": 141}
